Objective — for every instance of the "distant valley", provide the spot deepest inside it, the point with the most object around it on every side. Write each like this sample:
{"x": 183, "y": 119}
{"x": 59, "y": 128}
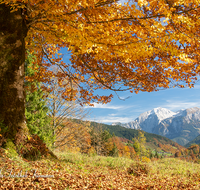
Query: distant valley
{"x": 182, "y": 126}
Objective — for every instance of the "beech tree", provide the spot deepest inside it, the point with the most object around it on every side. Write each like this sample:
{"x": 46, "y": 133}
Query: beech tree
{"x": 144, "y": 45}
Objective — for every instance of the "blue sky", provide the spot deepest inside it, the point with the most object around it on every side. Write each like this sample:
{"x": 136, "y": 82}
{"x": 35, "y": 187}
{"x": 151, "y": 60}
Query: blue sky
{"x": 129, "y": 109}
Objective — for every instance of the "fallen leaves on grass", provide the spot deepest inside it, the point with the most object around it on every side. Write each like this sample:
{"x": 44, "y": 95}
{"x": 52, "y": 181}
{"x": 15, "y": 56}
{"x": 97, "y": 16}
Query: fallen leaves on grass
{"x": 56, "y": 174}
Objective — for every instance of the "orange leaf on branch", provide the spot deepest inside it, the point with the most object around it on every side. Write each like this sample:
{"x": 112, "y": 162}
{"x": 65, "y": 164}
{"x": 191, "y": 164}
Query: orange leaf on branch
{"x": 113, "y": 46}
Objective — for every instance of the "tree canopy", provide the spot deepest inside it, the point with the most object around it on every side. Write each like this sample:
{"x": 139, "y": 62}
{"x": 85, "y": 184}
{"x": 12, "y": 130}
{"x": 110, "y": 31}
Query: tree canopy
{"x": 143, "y": 45}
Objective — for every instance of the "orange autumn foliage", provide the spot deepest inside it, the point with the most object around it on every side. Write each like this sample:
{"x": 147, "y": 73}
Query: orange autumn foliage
{"x": 143, "y": 45}
{"x": 72, "y": 136}
{"x": 123, "y": 149}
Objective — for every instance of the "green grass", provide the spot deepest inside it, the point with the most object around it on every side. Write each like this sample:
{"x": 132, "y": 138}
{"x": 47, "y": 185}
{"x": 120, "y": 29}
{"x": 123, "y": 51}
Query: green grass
{"x": 162, "y": 167}
{"x": 174, "y": 166}
{"x": 95, "y": 161}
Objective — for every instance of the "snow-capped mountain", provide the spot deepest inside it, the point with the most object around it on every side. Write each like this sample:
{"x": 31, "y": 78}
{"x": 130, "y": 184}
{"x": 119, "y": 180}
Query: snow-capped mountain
{"x": 148, "y": 120}
{"x": 182, "y": 126}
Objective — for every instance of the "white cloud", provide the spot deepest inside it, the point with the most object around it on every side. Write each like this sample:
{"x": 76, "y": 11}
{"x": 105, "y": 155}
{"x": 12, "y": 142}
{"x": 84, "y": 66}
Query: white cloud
{"x": 122, "y": 1}
{"x": 177, "y": 105}
{"x": 105, "y": 106}
{"x": 196, "y": 86}
{"x": 111, "y": 119}
{"x": 113, "y": 114}
{"x": 172, "y": 105}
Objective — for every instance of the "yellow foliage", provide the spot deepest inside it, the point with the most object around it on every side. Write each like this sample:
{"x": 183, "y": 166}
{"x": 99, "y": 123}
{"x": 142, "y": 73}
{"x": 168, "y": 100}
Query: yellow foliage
{"x": 112, "y": 43}
{"x": 145, "y": 159}
{"x": 92, "y": 151}
{"x": 127, "y": 152}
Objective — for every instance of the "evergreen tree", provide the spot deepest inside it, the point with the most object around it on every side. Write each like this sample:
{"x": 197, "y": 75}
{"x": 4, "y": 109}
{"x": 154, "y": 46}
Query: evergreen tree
{"x": 156, "y": 154}
{"x": 101, "y": 140}
{"x": 151, "y": 155}
{"x": 36, "y": 110}
{"x": 114, "y": 152}
{"x": 105, "y": 135}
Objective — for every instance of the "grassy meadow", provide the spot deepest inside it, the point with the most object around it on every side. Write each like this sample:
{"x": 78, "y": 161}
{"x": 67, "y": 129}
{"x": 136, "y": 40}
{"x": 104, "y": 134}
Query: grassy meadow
{"x": 79, "y": 171}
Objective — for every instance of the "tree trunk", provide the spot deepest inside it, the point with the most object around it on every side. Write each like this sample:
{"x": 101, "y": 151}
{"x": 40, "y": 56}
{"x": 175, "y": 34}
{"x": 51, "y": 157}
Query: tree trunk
{"x": 13, "y": 128}
{"x": 12, "y": 58}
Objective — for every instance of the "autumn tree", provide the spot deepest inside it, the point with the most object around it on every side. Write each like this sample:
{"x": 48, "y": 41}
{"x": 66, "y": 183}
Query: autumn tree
{"x": 74, "y": 136}
{"x": 139, "y": 144}
{"x": 143, "y": 45}
{"x": 127, "y": 151}
{"x": 101, "y": 141}
{"x": 109, "y": 146}
{"x": 119, "y": 145}
{"x": 96, "y": 142}
{"x": 60, "y": 109}
{"x": 61, "y": 112}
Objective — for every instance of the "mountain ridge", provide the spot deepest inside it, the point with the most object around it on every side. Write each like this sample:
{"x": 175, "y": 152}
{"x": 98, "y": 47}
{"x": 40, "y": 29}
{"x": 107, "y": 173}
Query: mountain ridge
{"x": 194, "y": 141}
{"x": 181, "y": 126}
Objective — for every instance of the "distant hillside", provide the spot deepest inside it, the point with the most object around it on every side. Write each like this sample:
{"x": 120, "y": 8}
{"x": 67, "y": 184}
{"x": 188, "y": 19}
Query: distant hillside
{"x": 194, "y": 141}
{"x": 153, "y": 141}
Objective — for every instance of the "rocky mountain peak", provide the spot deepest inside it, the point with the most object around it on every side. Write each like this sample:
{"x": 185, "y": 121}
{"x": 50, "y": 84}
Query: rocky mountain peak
{"x": 181, "y": 126}
{"x": 162, "y": 113}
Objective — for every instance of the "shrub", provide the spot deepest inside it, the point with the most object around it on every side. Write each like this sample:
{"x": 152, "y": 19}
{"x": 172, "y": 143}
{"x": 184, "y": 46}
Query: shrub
{"x": 138, "y": 169}
{"x": 145, "y": 159}
{"x": 34, "y": 149}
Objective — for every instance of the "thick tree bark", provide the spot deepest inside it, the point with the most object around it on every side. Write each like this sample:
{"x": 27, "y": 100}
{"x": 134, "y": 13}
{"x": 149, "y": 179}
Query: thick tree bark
{"x": 12, "y": 59}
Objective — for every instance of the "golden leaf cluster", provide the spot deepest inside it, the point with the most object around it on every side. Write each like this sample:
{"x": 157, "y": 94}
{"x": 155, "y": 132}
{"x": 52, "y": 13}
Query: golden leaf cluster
{"x": 143, "y": 45}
